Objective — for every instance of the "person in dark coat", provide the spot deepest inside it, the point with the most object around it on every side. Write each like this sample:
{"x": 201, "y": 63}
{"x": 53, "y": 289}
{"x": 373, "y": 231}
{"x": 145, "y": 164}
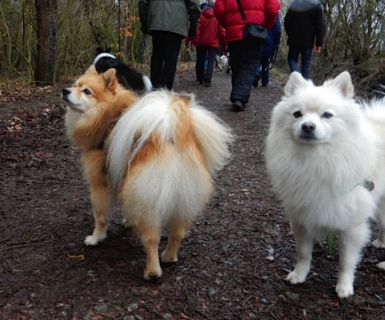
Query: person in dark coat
{"x": 244, "y": 55}
{"x": 272, "y": 44}
{"x": 168, "y": 22}
{"x": 304, "y": 25}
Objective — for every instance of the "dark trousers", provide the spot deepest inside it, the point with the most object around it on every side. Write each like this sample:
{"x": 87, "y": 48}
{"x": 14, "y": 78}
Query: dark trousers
{"x": 293, "y": 56}
{"x": 263, "y": 70}
{"x": 244, "y": 61}
{"x": 165, "y": 52}
{"x": 200, "y": 65}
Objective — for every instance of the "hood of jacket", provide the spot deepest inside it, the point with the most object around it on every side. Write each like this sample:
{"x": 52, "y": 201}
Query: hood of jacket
{"x": 304, "y": 5}
{"x": 208, "y": 13}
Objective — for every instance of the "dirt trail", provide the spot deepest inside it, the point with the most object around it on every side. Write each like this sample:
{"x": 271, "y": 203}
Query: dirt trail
{"x": 232, "y": 262}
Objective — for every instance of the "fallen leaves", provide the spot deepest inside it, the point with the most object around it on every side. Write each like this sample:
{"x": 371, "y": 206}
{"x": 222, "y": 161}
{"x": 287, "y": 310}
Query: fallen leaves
{"x": 20, "y": 91}
{"x": 15, "y": 125}
{"x": 78, "y": 257}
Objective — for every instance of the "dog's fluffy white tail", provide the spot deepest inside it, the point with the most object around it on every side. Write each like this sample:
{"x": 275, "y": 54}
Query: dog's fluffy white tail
{"x": 160, "y": 112}
{"x": 213, "y": 137}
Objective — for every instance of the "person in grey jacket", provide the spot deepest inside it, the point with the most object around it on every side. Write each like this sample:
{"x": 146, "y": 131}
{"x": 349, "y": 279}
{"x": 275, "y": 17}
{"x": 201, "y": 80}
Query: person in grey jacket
{"x": 168, "y": 22}
{"x": 304, "y": 25}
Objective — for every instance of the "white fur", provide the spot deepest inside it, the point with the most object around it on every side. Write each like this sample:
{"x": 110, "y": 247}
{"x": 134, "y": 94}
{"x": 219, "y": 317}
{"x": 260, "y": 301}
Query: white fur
{"x": 77, "y": 103}
{"x": 224, "y": 61}
{"x": 103, "y": 55}
{"x": 155, "y": 112}
{"x": 174, "y": 181}
{"x": 218, "y": 61}
{"x": 147, "y": 83}
{"x": 318, "y": 176}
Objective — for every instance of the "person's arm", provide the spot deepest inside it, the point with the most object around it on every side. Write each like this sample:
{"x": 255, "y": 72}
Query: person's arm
{"x": 277, "y": 33}
{"x": 219, "y": 12}
{"x": 288, "y": 22}
{"x": 143, "y": 14}
{"x": 222, "y": 40}
{"x": 319, "y": 26}
{"x": 271, "y": 12}
{"x": 194, "y": 13}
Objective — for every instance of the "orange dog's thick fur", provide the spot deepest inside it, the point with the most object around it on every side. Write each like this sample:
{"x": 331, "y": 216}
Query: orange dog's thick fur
{"x": 157, "y": 153}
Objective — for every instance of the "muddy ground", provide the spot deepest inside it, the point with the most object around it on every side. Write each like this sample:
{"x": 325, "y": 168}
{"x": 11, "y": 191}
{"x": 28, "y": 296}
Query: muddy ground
{"x": 232, "y": 262}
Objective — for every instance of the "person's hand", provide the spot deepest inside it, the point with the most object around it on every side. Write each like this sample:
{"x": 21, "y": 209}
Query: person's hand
{"x": 317, "y": 49}
{"x": 144, "y": 29}
{"x": 191, "y": 35}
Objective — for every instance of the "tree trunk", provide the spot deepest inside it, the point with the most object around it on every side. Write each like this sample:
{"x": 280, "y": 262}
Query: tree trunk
{"x": 46, "y": 14}
{"x": 144, "y": 50}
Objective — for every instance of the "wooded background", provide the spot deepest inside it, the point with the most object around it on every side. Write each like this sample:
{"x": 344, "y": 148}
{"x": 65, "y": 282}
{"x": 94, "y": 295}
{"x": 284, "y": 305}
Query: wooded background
{"x": 46, "y": 41}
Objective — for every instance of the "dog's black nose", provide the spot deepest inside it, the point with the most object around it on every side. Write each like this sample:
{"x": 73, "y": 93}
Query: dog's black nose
{"x": 308, "y": 127}
{"x": 66, "y": 92}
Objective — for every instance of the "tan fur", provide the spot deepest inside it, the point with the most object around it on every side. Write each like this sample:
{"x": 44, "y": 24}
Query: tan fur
{"x": 88, "y": 131}
{"x": 95, "y": 104}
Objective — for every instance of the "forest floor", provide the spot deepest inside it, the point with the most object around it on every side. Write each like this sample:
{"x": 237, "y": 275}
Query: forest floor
{"x": 232, "y": 263}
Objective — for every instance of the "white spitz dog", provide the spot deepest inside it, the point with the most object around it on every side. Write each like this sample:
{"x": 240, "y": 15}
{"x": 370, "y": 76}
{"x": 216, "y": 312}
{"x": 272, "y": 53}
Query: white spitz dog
{"x": 325, "y": 152}
{"x": 221, "y": 61}
{"x": 224, "y": 61}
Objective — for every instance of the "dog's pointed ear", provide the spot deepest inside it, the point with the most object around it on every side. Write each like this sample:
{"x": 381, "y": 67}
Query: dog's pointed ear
{"x": 295, "y": 81}
{"x": 343, "y": 82}
{"x": 111, "y": 80}
{"x": 91, "y": 70}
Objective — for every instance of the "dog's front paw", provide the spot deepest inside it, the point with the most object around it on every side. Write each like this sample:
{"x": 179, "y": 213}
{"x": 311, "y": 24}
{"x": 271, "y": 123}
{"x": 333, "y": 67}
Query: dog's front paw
{"x": 378, "y": 244}
{"x": 293, "y": 277}
{"x": 168, "y": 257}
{"x": 381, "y": 265}
{"x": 344, "y": 290}
{"x": 153, "y": 274}
{"x": 91, "y": 241}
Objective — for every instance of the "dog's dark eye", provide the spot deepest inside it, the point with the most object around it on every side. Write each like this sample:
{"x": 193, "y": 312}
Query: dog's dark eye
{"x": 297, "y": 114}
{"x": 87, "y": 92}
{"x": 327, "y": 115}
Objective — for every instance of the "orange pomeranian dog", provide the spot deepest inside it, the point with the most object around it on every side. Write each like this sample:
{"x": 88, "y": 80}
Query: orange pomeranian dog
{"x": 156, "y": 153}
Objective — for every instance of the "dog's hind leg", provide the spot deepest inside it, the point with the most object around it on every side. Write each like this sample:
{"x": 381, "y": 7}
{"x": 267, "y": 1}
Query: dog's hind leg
{"x": 150, "y": 236}
{"x": 100, "y": 195}
{"x": 380, "y": 241}
{"x": 304, "y": 243}
{"x": 177, "y": 232}
{"x": 351, "y": 243}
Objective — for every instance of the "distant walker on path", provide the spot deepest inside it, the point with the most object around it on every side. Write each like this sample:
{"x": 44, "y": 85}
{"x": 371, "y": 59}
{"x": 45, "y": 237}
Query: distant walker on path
{"x": 304, "y": 25}
{"x": 244, "y": 55}
{"x": 168, "y": 22}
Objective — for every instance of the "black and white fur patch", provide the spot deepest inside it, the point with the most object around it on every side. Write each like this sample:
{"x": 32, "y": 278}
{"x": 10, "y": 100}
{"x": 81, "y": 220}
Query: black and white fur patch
{"x": 128, "y": 77}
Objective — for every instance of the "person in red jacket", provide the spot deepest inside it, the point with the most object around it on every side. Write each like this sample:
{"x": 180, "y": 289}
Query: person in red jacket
{"x": 209, "y": 36}
{"x": 244, "y": 56}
